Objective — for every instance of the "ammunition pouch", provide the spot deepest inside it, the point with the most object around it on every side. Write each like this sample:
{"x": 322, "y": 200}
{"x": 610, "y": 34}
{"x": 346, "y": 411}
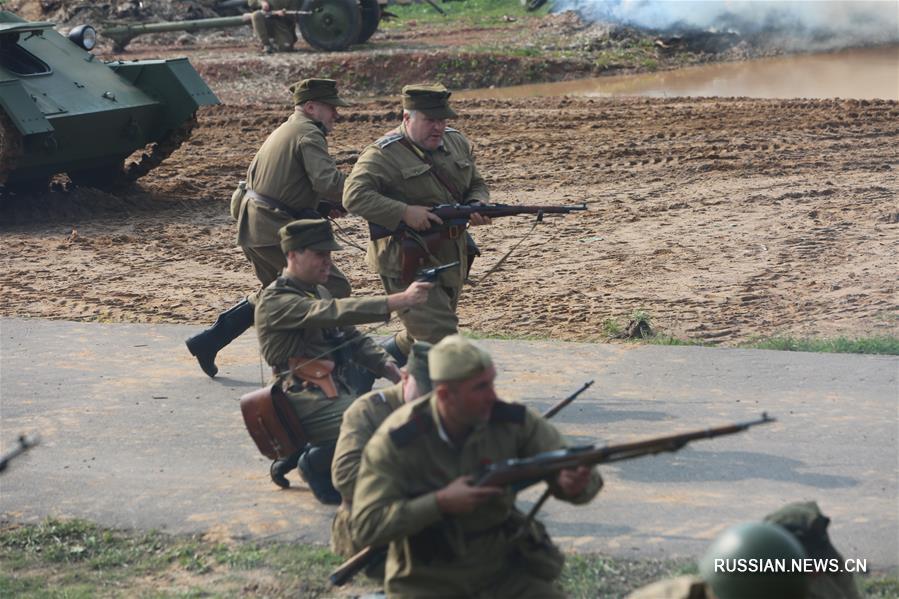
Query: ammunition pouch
{"x": 314, "y": 374}
{"x": 237, "y": 199}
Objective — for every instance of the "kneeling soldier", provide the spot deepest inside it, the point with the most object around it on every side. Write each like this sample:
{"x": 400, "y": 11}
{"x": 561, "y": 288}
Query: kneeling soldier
{"x": 447, "y": 537}
{"x": 360, "y": 422}
{"x": 299, "y": 325}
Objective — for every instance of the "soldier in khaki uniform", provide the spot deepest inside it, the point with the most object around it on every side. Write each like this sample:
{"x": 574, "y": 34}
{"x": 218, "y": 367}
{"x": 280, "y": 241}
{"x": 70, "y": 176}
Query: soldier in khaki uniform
{"x": 420, "y": 164}
{"x": 298, "y": 321}
{"x": 290, "y": 174}
{"x": 360, "y": 422}
{"x": 276, "y": 33}
{"x": 448, "y": 538}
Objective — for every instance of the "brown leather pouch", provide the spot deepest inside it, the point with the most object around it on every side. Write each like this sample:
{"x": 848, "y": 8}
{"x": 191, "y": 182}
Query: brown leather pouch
{"x": 315, "y": 372}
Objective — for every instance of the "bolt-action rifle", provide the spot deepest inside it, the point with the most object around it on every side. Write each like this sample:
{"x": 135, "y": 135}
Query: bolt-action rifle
{"x": 521, "y": 473}
{"x": 417, "y": 246}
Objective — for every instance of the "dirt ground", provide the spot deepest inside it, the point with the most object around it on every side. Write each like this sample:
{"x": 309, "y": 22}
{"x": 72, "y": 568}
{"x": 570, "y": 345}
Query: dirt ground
{"x": 724, "y": 219}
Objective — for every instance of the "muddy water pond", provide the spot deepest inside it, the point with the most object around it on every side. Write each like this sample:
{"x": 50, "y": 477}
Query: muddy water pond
{"x": 869, "y": 73}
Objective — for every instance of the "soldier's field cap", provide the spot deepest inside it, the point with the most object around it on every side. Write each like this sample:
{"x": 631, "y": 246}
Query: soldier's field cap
{"x": 417, "y": 366}
{"x": 456, "y": 358}
{"x": 432, "y": 100}
{"x": 313, "y": 234}
{"x": 320, "y": 90}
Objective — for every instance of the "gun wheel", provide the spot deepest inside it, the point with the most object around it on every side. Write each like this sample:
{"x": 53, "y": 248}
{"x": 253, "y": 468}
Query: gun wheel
{"x": 371, "y": 16}
{"x": 333, "y": 25}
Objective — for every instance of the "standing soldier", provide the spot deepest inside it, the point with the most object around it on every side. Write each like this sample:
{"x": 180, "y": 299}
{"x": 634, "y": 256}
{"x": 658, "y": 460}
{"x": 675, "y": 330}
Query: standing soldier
{"x": 276, "y": 32}
{"x": 446, "y": 536}
{"x": 299, "y": 323}
{"x": 420, "y": 164}
{"x": 290, "y": 174}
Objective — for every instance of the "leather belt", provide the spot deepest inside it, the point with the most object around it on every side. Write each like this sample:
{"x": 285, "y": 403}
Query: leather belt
{"x": 279, "y": 205}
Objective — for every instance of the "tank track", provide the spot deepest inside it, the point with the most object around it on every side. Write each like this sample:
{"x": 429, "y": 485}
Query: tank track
{"x": 10, "y": 147}
{"x": 158, "y": 151}
{"x": 132, "y": 170}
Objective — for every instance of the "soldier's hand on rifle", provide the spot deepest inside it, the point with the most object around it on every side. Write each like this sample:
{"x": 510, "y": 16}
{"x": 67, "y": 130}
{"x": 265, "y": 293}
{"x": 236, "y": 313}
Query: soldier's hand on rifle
{"x": 415, "y": 294}
{"x": 420, "y": 218}
{"x": 479, "y": 219}
{"x": 460, "y": 497}
{"x": 573, "y": 481}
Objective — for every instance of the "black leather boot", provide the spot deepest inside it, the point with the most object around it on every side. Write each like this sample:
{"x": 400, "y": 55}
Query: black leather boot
{"x": 315, "y": 467}
{"x": 394, "y": 350}
{"x": 228, "y": 327}
{"x": 279, "y": 469}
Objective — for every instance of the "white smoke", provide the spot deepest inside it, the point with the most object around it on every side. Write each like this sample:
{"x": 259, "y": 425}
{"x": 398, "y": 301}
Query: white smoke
{"x": 809, "y": 23}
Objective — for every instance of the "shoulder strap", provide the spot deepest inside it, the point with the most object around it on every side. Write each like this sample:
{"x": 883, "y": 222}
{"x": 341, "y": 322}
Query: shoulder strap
{"x": 438, "y": 174}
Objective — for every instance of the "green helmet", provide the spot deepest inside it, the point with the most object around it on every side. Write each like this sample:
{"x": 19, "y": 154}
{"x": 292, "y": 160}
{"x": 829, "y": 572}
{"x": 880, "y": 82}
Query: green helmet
{"x": 754, "y": 560}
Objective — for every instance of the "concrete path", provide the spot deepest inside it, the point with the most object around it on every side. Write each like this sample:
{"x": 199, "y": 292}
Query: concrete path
{"x": 135, "y": 436}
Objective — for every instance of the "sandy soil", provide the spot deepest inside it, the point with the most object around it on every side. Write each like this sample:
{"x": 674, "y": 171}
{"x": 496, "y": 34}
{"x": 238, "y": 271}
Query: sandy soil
{"x": 724, "y": 219}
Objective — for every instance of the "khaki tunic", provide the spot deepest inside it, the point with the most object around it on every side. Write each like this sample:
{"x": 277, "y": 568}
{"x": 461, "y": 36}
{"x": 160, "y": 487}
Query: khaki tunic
{"x": 279, "y": 32}
{"x": 293, "y": 167}
{"x": 682, "y": 587}
{"x": 294, "y": 319}
{"x": 360, "y": 422}
{"x": 388, "y": 177}
{"x": 407, "y": 460}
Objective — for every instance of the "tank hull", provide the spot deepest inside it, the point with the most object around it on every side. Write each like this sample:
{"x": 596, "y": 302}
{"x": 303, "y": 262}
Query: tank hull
{"x": 70, "y": 112}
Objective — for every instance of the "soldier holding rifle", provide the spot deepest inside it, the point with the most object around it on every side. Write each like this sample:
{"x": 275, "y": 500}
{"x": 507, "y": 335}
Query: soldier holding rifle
{"x": 420, "y": 164}
{"x": 447, "y": 536}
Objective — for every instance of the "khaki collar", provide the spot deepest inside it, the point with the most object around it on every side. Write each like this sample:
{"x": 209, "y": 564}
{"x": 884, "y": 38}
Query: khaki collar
{"x": 418, "y": 149}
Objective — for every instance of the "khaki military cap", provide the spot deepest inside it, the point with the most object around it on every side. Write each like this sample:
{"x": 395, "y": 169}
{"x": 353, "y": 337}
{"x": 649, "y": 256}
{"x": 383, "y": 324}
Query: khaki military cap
{"x": 308, "y": 234}
{"x": 432, "y": 100}
{"x": 456, "y": 358}
{"x": 320, "y": 90}
{"x": 417, "y": 366}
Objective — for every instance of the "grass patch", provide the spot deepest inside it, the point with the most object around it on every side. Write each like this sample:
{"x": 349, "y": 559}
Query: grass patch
{"x": 883, "y": 345}
{"x": 77, "y": 559}
{"x": 469, "y": 12}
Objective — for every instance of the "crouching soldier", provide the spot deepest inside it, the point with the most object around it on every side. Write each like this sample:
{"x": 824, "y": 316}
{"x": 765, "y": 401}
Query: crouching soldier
{"x": 309, "y": 339}
{"x": 447, "y": 537}
{"x": 360, "y": 422}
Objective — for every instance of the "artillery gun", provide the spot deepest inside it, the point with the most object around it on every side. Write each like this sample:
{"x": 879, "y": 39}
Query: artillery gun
{"x": 64, "y": 110}
{"x": 330, "y": 25}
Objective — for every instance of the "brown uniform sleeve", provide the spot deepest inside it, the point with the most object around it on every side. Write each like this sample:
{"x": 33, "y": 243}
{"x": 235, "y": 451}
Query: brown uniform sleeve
{"x": 292, "y": 312}
{"x": 363, "y": 195}
{"x": 384, "y": 509}
{"x": 477, "y": 190}
{"x": 321, "y": 169}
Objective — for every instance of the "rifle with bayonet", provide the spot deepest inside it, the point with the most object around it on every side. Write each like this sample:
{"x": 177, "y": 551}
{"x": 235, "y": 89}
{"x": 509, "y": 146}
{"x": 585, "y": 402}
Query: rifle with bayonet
{"x": 416, "y": 247}
{"x": 521, "y": 473}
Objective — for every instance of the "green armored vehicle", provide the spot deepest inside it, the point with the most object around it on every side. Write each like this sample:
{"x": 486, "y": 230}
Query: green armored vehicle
{"x": 62, "y": 110}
